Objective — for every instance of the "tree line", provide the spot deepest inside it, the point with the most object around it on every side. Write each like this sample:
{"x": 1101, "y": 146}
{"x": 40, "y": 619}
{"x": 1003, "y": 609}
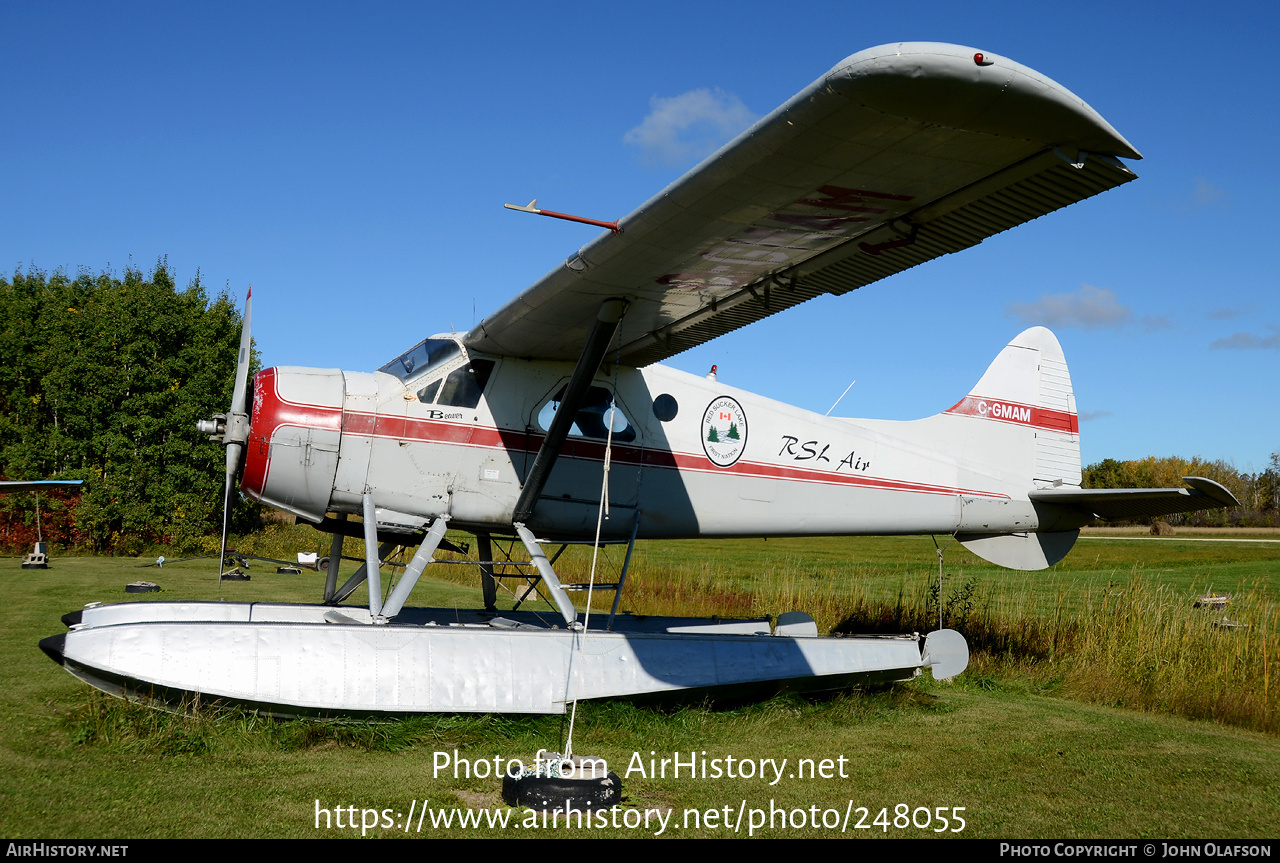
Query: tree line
{"x": 102, "y": 378}
{"x": 1258, "y": 493}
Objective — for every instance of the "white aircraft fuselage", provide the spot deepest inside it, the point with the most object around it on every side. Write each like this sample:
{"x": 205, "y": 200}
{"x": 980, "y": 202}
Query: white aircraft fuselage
{"x": 689, "y": 456}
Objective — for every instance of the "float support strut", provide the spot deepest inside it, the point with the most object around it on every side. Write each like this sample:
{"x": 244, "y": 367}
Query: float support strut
{"x": 543, "y": 566}
{"x": 421, "y": 558}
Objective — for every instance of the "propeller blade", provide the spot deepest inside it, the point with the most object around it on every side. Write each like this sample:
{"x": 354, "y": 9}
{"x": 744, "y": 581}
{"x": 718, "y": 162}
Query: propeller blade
{"x": 226, "y": 512}
{"x": 233, "y": 463}
{"x": 237, "y": 426}
{"x": 242, "y": 361}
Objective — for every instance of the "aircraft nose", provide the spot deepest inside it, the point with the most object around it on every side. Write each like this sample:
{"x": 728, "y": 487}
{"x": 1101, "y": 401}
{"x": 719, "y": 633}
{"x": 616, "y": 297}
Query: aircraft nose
{"x": 294, "y": 432}
{"x": 258, "y": 447}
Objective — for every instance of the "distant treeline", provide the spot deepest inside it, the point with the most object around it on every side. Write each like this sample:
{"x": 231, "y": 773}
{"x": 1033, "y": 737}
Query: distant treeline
{"x": 103, "y": 379}
{"x": 1258, "y": 493}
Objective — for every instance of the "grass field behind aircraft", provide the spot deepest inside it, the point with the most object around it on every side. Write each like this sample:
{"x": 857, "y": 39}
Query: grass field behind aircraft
{"x": 1062, "y": 744}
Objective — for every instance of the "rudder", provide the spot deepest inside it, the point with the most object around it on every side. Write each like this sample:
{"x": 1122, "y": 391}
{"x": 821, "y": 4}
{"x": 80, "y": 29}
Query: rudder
{"x": 1028, "y": 386}
{"x": 1027, "y": 390}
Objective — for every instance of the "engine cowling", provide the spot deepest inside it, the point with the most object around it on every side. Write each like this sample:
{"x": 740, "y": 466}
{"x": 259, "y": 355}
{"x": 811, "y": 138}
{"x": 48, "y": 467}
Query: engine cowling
{"x": 291, "y": 457}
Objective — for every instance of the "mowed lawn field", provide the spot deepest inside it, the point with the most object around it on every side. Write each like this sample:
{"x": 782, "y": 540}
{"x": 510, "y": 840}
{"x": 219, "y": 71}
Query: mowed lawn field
{"x": 1011, "y": 752}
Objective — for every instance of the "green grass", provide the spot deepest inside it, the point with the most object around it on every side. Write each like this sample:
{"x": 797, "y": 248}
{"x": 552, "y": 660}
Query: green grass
{"x": 1025, "y": 748}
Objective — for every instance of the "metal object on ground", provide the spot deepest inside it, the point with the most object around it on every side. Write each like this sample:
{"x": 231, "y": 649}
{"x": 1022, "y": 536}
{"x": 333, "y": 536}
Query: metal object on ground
{"x": 37, "y": 558}
{"x": 1213, "y": 601}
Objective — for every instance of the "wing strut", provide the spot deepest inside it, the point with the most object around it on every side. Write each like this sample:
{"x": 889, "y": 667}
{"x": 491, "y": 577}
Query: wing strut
{"x": 575, "y": 394}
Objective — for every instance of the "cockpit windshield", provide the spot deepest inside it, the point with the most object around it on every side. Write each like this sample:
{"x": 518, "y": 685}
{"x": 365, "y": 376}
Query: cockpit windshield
{"x": 421, "y": 358}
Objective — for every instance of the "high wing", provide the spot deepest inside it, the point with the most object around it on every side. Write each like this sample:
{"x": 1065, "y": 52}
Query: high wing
{"x": 898, "y": 155}
{"x": 1112, "y": 503}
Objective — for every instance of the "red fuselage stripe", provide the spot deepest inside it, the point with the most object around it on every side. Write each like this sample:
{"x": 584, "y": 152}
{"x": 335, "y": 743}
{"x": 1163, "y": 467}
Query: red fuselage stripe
{"x": 272, "y": 412}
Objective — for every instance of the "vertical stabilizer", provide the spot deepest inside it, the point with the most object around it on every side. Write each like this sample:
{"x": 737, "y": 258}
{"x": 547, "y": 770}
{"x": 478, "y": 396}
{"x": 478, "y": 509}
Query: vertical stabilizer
{"x": 1022, "y": 415}
{"x": 1027, "y": 391}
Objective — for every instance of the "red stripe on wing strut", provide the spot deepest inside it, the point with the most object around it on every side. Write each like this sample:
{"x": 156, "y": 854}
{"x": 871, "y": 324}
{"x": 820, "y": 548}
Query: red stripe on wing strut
{"x": 1004, "y": 410}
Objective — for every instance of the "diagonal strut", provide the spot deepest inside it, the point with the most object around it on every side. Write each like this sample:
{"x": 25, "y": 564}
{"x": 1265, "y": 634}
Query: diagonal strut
{"x": 575, "y": 394}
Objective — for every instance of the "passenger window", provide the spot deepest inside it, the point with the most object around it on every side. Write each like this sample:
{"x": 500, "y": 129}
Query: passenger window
{"x": 593, "y": 419}
{"x": 665, "y": 407}
{"x": 464, "y": 386}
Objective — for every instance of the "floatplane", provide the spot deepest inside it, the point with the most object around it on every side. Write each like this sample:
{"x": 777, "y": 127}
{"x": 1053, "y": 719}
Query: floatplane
{"x": 554, "y": 408}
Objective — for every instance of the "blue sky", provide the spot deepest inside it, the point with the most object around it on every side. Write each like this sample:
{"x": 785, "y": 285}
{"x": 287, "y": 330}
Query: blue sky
{"x": 350, "y": 161}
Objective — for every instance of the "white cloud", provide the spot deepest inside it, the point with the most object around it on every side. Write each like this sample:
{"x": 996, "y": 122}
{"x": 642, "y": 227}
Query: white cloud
{"x": 683, "y": 128}
{"x": 1207, "y": 195}
{"x": 1203, "y": 196}
{"x": 1086, "y": 416}
{"x": 1090, "y": 308}
{"x": 1248, "y": 341}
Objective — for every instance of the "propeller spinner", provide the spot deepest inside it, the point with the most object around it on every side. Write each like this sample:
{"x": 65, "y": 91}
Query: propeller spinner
{"x": 232, "y": 428}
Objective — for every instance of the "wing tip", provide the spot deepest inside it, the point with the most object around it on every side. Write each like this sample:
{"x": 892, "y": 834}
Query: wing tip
{"x": 1215, "y": 491}
{"x": 948, "y": 84}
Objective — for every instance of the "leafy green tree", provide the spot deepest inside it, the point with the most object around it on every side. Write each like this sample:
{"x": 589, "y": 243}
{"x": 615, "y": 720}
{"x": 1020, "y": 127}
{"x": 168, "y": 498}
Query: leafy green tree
{"x": 1110, "y": 473}
{"x": 103, "y": 379}
{"x": 1269, "y": 485}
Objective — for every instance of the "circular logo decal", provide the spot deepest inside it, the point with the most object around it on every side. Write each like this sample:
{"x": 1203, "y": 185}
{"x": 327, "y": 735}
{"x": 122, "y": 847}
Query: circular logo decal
{"x": 724, "y": 431}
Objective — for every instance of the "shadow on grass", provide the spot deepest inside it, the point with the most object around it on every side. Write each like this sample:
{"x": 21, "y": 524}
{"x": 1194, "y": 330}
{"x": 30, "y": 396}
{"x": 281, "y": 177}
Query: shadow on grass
{"x": 114, "y": 724}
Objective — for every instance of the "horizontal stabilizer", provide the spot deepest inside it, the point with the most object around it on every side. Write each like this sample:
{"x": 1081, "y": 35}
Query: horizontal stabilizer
{"x": 1121, "y": 503}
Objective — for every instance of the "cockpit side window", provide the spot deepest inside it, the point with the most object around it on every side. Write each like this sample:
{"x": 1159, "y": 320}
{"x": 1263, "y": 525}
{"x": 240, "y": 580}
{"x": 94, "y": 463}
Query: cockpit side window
{"x": 422, "y": 358}
{"x": 464, "y": 385}
{"x": 427, "y": 394}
